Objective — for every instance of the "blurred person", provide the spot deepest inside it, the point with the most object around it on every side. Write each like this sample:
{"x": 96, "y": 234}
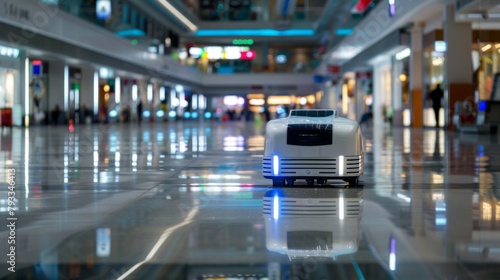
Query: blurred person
{"x": 55, "y": 114}
{"x": 435, "y": 96}
{"x": 139, "y": 111}
{"x": 368, "y": 116}
{"x": 126, "y": 114}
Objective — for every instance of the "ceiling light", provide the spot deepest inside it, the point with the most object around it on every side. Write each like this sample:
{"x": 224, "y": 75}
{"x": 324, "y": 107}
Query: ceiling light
{"x": 178, "y": 15}
{"x": 486, "y": 47}
{"x": 403, "y": 54}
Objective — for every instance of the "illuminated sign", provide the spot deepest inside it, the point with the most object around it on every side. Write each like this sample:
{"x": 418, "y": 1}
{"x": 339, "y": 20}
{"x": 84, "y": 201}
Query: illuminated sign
{"x": 9, "y": 52}
{"x": 103, "y": 9}
{"x": 440, "y": 46}
{"x": 248, "y": 55}
{"x": 232, "y": 53}
{"x": 281, "y": 59}
{"x": 361, "y": 6}
{"x": 392, "y": 8}
{"x": 242, "y": 42}
{"x": 214, "y": 52}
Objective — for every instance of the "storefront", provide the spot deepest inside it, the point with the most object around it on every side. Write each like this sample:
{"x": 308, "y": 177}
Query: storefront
{"x": 10, "y": 85}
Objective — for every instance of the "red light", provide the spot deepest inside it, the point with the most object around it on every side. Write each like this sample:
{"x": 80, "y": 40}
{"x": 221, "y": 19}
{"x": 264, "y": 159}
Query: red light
{"x": 361, "y": 6}
{"x": 37, "y": 62}
{"x": 71, "y": 126}
{"x": 249, "y": 55}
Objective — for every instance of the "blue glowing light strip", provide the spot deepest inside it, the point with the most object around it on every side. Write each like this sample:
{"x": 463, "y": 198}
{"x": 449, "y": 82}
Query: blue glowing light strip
{"x": 276, "y": 165}
{"x": 254, "y": 32}
{"x": 344, "y": 31}
{"x": 276, "y": 207}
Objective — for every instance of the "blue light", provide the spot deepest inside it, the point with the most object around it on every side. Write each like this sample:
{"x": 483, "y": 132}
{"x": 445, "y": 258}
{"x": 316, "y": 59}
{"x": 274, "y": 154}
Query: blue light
{"x": 276, "y": 165}
{"x": 130, "y": 33}
{"x": 208, "y": 115}
{"x": 343, "y": 31}
{"x": 113, "y": 113}
{"x": 194, "y": 115}
{"x": 254, "y": 32}
{"x": 187, "y": 115}
{"x": 160, "y": 114}
{"x": 482, "y": 106}
{"x": 480, "y": 151}
{"x": 146, "y": 114}
{"x": 172, "y": 114}
{"x": 276, "y": 207}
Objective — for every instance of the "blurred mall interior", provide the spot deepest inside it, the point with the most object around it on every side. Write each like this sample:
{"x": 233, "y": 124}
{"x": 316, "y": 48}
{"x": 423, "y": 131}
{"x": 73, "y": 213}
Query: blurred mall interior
{"x": 133, "y": 133}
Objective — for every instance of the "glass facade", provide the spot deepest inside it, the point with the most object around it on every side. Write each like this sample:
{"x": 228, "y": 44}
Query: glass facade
{"x": 486, "y": 63}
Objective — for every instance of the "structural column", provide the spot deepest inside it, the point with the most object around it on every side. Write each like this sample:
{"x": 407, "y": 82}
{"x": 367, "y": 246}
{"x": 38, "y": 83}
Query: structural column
{"x": 56, "y": 90}
{"x": 416, "y": 76}
{"x": 328, "y": 101}
{"x": 24, "y": 100}
{"x": 397, "y": 95}
{"x": 87, "y": 89}
{"x": 458, "y": 61}
{"x": 378, "y": 91}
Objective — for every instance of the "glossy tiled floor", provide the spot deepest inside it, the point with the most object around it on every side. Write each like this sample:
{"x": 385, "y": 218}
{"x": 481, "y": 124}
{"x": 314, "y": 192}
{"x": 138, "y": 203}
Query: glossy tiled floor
{"x": 187, "y": 201}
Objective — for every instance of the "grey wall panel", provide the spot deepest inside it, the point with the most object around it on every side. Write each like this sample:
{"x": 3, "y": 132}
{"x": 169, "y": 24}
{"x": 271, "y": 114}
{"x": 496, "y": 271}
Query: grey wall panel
{"x": 360, "y": 61}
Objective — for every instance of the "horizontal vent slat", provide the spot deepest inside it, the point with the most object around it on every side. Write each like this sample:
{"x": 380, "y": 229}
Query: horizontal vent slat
{"x": 305, "y": 159}
{"x": 287, "y": 168}
{"x": 313, "y": 164}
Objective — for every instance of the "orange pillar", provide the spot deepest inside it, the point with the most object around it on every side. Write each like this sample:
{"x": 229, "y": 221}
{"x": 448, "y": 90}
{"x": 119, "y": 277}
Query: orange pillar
{"x": 417, "y": 108}
{"x": 416, "y": 75}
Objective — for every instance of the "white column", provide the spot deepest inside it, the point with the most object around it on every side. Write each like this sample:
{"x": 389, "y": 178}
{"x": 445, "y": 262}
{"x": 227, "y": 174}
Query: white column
{"x": 328, "y": 101}
{"x": 24, "y": 99}
{"x": 359, "y": 99}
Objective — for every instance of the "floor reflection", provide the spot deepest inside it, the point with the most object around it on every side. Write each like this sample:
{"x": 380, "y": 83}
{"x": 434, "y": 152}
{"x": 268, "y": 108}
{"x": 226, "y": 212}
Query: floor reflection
{"x": 319, "y": 223}
{"x": 187, "y": 201}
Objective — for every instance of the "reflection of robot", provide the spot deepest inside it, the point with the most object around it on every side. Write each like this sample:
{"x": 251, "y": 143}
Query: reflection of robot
{"x": 317, "y": 223}
{"x": 313, "y": 144}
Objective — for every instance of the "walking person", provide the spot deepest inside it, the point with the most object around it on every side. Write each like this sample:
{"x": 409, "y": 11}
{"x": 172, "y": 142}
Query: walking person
{"x": 139, "y": 111}
{"x": 435, "y": 96}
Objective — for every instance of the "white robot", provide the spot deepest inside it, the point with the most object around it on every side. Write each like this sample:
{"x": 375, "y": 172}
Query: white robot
{"x": 313, "y": 144}
{"x": 319, "y": 223}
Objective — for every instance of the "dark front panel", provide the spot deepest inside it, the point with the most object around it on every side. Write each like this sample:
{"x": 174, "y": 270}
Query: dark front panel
{"x": 309, "y": 134}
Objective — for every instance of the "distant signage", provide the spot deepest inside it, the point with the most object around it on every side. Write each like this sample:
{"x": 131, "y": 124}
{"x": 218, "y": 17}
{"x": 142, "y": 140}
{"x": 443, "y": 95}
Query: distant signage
{"x": 103, "y": 9}
{"x": 334, "y": 69}
{"x": 8, "y": 51}
{"x": 440, "y": 46}
{"x": 318, "y": 79}
{"x": 15, "y": 11}
{"x": 392, "y": 8}
{"x": 361, "y": 6}
{"x": 103, "y": 244}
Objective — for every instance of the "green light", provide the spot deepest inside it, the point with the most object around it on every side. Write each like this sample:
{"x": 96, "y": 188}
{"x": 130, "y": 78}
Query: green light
{"x": 243, "y": 42}
{"x": 134, "y": 42}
